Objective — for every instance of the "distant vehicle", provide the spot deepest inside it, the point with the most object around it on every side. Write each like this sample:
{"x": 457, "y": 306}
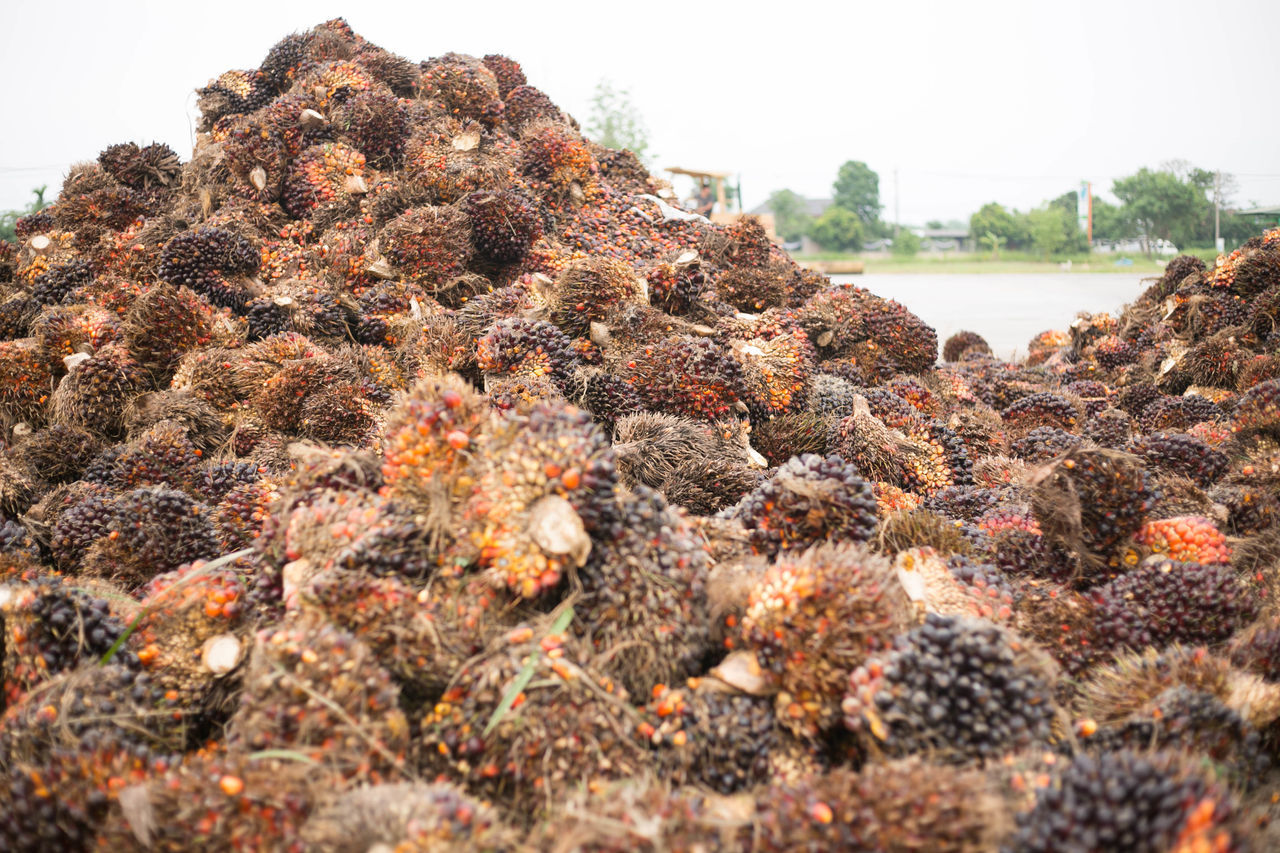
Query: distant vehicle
{"x": 723, "y": 215}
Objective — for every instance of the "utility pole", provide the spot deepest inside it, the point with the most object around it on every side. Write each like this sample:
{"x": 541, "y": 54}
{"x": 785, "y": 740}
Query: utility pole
{"x": 1217, "y": 204}
{"x": 897, "y": 219}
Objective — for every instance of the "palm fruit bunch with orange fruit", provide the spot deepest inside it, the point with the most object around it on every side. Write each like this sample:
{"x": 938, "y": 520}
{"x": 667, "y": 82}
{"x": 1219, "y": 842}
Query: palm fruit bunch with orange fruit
{"x": 50, "y": 626}
{"x": 1188, "y": 538}
{"x": 1089, "y": 502}
{"x": 148, "y": 531}
{"x": 191, "y": 632}
{"x": 531, "y": 692}
{"x": 1132, "y": 801}
{"x": 60, "y": 800}
{"x": 544, "y": 485}
{"x": 956, "y": 688}
{"x": 809, "y": 500}
{"x": 643, "y": 605}
{"x": 900, "y": 805}
{"x": 211, "y": 261}
{"x": 427, "y": 246}
{"x": 1168, "y": 600}
{"x": 409, "y": 817}
{"x": 315, "y": 689}
{"x": 503, "y": 224}
{"x": 711, "y": 735}
{"x": 323, "y": 178}
{"x": 812, "y": 618}
{"x": 96, "y": 390}
{"x": 526, "y": 349}
{"x": 687, "y": 376}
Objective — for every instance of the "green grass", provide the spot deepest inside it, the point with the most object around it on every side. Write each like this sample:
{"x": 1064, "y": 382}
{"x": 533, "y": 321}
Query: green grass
{"x": 982, "y": 263}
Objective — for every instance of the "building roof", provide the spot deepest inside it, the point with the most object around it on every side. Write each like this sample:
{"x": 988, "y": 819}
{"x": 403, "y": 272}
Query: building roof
{"x": 1274, "y": 210}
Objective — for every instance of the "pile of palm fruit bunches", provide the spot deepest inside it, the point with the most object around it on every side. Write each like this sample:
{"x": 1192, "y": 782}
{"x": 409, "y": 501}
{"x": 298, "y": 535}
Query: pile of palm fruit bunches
{"x": 395, "y": 475}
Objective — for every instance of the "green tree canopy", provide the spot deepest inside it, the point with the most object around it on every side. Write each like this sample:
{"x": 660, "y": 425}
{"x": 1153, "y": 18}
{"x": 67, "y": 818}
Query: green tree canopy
{"x": 1160, "y": 203}
{"x": 1010, "y": 227}
{"x": 1110, "y": 222}
{"x": 789, "y": 216}
{"x": 857, "y": 190}
{"x": 905, "y": 244}
{"x": 1049, "y": 226}
{"x": 614, "y": 122}
{"x": 838, "y": 230}
{"x": 9, "y": 218}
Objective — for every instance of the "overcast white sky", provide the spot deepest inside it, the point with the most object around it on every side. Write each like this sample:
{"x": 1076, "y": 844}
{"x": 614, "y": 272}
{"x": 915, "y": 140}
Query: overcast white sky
{"x": 971, "y": 101}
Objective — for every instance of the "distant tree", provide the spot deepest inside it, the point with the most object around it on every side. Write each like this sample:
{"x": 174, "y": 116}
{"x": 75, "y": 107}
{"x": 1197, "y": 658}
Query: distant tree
{"x": 905, "y": 244}
{"x": 1159, "y": 204}
{"x": 614, "y": 122}
{"x": 995, "y": 241}
{"x": 934, "y": 225}
{"x": 1048, "y": 229}
{"x": 9, "y": 218}
{"x": 1010, "y": 226}
{"x": 857, "y": 190}
{"x": 1075, "y": 240}
{"x": 1110, "y": 222}
{"x": 838, "y": 230}
{"x": 789, "y": 216}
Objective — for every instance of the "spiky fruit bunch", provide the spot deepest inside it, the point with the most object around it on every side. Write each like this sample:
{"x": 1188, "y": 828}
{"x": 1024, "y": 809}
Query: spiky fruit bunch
{"x": 50, "y": 627}
{"x": 1170, "y": 601}
{"x": 1181, "y": 454}
{"x": 831, "y": 395}
{"x": 963, "y": 503}
{"x": 149, "y": 531}
{"x": 526, "y": 105}
{"x": 554, "y": 154}
{"x": 468, "y": 88}
{"x": 1012, "y": 539}
{"x": 210, "y": 261}
{"x": 566, "y": 709}
{"x": 643, "y": 606}
{"x": 962, "y": 343}
{"x": 701, "y": 466}
{"x": 689, "y": 376}
{"x": 313, "y": 688}
{"x": 26, "y": 375}
{"x": 956, "y": 687}
{"x": 64, "y": 330}
{"x": 1042, "y": 409}
{"x": 1190, "y": 538}
{"x": 94, "y": 705}
{"x": 1191, "y": 721}
{"x": 59, "y": 453}
{"x": 775, "y": 372}
{"x": 809, "y": 500}
{"x": 428, "y": 245}
{"x": 677, "y": 288}
{"x": 899, "y": 806}
{"x": 323, "y": 176}
{"x": 506, "y": 71}
{"x": 712, "y": 736}
{"x": 905, "y": 341}
{"x": 97, "y": 390}
{"x": 1110, "y": 428}
{"x": 546, "y": 480}
{"x": 812, "y": 619}
{"x": 589, "y": 289}
{"x": 409, "y": 817}
{"x": 1256, "y": 648}
{"x": 1091, "y": 501}
{"x": 1249, "y": 509}
{"x": 429, "y": 438}
{"x": 1179, "y": 413}
{"x": 1044, "y": 443}
{"x": 504, "y": 224}
{"x": 528, "y": 349}
{"x": 1257, "y": 412}
{"x": 1113, "y": 351}
{"x": 1130, "y": 801}
{"x": 163, "y": 455}
{"x": 164, "y": 324}
{"x": 376, "y": 124}
{"x": 142, "y": 168}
